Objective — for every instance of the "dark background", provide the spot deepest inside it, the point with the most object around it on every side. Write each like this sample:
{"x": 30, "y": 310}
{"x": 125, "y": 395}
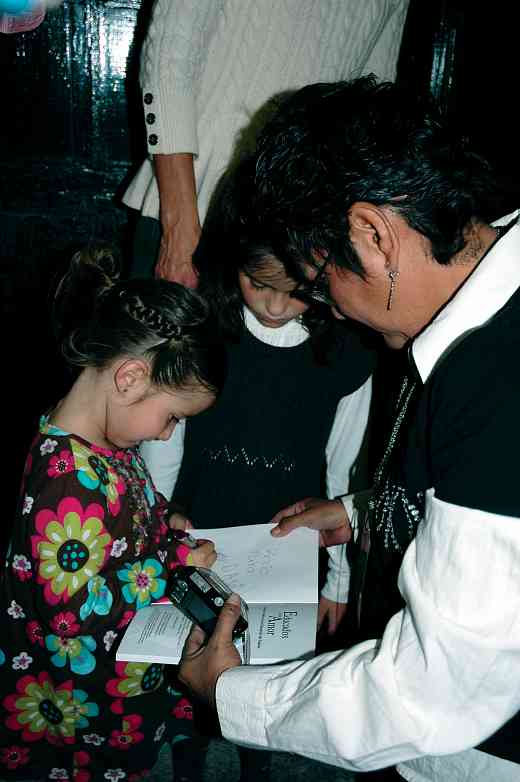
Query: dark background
{"x": 71, "y": 135}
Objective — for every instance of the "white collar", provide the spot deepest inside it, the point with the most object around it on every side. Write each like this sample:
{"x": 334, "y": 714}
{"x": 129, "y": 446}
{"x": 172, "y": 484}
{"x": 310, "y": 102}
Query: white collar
{"x": 288, "y": 336}
{"x": 488, "y": 288}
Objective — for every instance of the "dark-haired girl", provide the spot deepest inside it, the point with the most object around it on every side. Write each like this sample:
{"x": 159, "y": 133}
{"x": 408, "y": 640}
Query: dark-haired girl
{"x": 92, "y": 543}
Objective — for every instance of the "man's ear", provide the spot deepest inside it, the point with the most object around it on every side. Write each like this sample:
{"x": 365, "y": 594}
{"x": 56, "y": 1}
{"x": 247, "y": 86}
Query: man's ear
{"x": 374, "y": 234}
{"x": 131, "y": 378}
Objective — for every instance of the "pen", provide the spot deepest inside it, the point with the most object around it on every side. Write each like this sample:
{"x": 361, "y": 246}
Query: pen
{"x": 181, "y": 536}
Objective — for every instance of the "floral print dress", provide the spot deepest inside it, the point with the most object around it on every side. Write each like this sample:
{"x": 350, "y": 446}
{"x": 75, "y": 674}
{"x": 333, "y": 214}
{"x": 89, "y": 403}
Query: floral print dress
{"x": 88, "y": 549}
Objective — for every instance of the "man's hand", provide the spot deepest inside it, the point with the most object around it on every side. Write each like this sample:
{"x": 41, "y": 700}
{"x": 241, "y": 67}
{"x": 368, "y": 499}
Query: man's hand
{"x": 204, "y": 659}
{"x": 327, "y": 516}
{"x": 332, "y": 612}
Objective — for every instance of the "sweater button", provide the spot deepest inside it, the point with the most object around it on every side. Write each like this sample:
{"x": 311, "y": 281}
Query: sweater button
{"x": 152, "y": 139}
{"x": 150, "y": 118}
{"x": 148, "y": 98}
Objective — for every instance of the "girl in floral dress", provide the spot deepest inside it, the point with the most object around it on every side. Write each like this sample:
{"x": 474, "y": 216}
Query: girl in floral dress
{"x": 91, "y": 544}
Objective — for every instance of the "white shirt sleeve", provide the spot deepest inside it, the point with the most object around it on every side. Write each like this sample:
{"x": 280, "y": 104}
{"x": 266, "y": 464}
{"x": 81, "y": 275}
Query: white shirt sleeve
{"x": 164, "y": 458}
{"x": 445, "y": 675}
{"x": 172, "y": 60}
{"x": 346, "y": 463}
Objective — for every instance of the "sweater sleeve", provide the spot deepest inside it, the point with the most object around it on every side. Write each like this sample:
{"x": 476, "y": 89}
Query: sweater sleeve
{"x": 383, "y": 58}
{"x": 346, "y": 464}
{"x": 172, "y": 61}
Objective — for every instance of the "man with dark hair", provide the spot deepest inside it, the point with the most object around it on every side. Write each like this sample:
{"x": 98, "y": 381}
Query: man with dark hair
{"x": 367, "y": 192}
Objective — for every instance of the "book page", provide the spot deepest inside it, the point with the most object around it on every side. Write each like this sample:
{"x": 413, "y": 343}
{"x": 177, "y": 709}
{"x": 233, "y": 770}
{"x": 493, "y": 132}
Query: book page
{"x": 263, "y": 569}
{"x": 282, "y": 631}
{"x": 277, "y": 632}
{"x": 156, "y": 634}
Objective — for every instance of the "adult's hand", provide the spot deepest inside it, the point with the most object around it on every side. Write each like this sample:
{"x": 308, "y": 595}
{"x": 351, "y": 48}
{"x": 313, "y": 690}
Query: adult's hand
{"x": 179, "y": 218}
{"x": 329, "y": 517}
{"x": 332, "y": 613}
{"x": 204, "y": 659}
{"x": 177, "y": 246}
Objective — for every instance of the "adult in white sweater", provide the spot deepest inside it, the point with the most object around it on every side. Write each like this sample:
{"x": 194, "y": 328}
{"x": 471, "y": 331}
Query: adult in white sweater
{"x": 206, "y": 68}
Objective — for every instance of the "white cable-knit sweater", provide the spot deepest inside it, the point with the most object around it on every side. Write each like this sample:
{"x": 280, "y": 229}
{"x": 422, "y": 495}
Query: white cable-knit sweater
{"x": 208, "y": 66}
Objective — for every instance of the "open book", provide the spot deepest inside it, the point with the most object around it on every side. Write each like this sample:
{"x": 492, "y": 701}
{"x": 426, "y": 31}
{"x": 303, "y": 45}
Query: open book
{"x": 277, "y": 578}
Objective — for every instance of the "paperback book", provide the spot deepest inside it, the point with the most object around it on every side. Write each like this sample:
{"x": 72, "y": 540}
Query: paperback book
{"x": 276, "y": 577}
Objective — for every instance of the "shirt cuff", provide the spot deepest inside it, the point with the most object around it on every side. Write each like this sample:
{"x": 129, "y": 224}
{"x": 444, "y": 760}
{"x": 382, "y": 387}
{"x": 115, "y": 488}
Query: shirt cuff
{"x": 240, "y": 698}
{"x": 337, "y": 585}
{"x": 170, "y": 120}
{"x": 356, "y": 507}
{"x": 348, "y": 504}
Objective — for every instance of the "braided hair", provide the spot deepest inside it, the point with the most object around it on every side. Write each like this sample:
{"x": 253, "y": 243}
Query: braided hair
{"x": 98, "y": 317}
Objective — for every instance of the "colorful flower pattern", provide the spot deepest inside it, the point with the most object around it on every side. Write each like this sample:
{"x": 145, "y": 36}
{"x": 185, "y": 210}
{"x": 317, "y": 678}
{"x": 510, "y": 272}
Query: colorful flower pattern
{"x": 75, "y": 652}
{"x": 71, "y": 547}
{"x": 41, "y": 710}
{"x": 94, "y": 472}
{"x": 114, "y": 774}
{"x": 99, "y": 598}
{"x": 15, "y": 610}
{"x": 183, "y": 710}
{"x": 129, "y": 734}
{"x": 135, "y": 679}
{"x": 35, "y": 633}
{"x": 89, "y": 549}
{"x": 81, "y": 762}
{"x": 21, "y": 661}
{"x": 142, "y": 582}
{"x": 22, "y": 567}
{"x": 61, "y": 464}
{"x": 65, "y": 623}
{"x": 14, "y": 756}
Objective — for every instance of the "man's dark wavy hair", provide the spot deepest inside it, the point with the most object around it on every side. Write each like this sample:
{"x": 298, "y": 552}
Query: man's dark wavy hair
{"x": 231, "y": 242}
{"x": 331, "y": 145}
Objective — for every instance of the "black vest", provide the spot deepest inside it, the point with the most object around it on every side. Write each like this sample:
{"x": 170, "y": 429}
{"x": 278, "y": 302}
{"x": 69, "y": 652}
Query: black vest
{"x": 459, "y": 434}
{"x": 262, "y": 445}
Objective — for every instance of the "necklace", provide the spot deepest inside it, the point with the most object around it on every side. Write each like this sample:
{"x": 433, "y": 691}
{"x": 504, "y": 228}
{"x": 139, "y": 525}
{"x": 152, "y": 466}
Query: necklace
{"x": 389, "y": 500}
{"x": 382, "y": 504}
{"x": 500, "y": 231}
{"x": 401, "y": 406}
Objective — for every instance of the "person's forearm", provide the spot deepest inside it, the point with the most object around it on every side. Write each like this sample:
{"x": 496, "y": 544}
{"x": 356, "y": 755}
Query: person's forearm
{"x": 177, "y": 191}
{"x": 443, "y": 677}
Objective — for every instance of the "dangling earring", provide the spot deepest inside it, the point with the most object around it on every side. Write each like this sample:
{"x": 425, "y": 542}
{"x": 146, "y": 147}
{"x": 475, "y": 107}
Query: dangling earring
{"x": 393, "y": 277}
